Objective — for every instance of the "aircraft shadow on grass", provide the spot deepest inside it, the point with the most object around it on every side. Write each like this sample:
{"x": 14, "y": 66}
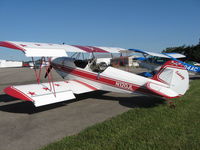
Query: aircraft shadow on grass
{"x": 28, "y": 107}
{"x": 195, "y": 78}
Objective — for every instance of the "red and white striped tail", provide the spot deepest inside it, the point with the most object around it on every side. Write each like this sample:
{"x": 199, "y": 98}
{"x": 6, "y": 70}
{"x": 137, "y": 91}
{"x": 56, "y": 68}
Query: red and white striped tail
{"x": 175, "y": 75}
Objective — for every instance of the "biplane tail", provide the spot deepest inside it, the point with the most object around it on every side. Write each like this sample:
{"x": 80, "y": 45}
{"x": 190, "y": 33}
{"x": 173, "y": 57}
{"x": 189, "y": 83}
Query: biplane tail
{"x": 175, "y": 76}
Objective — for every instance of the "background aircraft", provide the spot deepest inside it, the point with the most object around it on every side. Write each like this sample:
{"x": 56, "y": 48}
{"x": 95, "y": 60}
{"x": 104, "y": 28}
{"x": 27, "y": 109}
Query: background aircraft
{"x": 153, "y": 61}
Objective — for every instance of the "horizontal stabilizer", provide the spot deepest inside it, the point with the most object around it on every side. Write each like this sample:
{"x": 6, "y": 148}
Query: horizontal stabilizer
{"x": 161, "y": 90}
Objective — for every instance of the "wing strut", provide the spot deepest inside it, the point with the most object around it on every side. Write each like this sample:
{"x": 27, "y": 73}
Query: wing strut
{"x": 37, "y": 74}
{"x": 48, "y": 73}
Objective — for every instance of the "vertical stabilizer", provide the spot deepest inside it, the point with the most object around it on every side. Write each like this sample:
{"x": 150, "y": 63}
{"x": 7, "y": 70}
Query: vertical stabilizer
{"x": 175, "y": 75}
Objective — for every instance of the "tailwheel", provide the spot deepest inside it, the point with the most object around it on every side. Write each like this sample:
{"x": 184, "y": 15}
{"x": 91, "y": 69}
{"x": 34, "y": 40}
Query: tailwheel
{"x": 171, "y": 103}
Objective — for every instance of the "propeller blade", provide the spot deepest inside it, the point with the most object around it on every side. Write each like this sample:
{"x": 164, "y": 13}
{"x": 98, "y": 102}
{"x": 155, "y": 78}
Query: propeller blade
{"x": 48, "y": 71}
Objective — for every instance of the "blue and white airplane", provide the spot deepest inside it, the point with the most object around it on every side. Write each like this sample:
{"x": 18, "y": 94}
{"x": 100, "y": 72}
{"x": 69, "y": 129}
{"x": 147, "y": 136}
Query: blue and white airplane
{"x": 153, "y": 61}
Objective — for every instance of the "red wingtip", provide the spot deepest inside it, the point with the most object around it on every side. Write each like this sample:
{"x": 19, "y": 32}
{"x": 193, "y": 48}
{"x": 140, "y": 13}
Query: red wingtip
{"x": 16, "y": 93}
{"x": 11, "y": 45}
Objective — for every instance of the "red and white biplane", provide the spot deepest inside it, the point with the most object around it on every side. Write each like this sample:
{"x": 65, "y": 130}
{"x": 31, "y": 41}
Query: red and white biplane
{"x": 83, "y": 76}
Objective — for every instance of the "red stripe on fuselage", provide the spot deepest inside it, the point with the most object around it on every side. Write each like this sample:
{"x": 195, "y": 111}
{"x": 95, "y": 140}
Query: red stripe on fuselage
{"x": 103, "y": 80}
{"x": 85, "y": 84}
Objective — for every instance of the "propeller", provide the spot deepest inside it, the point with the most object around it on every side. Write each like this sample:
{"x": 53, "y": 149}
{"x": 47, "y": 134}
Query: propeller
{"x": 48, "y": 71}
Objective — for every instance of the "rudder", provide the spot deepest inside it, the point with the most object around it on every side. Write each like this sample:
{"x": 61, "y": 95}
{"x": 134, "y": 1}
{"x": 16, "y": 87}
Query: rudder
{"x": 175, "y": 75}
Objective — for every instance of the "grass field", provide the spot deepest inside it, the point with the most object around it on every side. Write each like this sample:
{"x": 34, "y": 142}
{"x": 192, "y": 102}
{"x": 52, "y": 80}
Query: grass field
{"x": 158, "y": 127}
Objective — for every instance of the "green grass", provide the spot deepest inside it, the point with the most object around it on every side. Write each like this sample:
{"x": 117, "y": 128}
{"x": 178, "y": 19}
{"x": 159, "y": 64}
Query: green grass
{"x": 158, "y": 127}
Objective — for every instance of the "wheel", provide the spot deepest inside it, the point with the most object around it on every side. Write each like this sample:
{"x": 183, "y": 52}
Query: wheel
{"x": 102, "y": 66}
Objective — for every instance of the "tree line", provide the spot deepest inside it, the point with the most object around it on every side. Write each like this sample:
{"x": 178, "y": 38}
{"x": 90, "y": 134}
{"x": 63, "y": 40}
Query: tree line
{"x": 191, "y": 52}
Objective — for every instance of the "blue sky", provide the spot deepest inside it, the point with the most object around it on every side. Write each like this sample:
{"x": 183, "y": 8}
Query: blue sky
{"x": 150, "y": 25}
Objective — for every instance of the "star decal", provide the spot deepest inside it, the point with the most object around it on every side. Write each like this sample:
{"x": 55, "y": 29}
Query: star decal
{"x": 57, "y": 84}
{"x": 23, "y": 45}
{"x": 46, "y": 89}
{"x": 31, "y": 93}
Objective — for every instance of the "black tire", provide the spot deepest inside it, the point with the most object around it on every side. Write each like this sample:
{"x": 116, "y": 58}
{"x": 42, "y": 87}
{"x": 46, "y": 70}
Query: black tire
{"x": 102, "y": 66}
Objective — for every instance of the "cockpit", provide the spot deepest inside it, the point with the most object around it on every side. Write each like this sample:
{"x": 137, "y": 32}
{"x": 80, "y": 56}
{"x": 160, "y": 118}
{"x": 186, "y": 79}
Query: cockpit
{"x": 93, "y": 63}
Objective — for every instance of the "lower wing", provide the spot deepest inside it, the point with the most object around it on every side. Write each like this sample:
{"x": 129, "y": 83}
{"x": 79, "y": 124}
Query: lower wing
{"x": 45, "y": 93}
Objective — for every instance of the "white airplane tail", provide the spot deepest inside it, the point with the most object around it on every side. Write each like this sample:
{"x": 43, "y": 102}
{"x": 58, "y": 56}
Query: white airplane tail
{"x": 175, "y": 75}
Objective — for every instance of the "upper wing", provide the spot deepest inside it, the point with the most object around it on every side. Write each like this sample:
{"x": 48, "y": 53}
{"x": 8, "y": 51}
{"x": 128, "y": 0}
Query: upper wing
{"x": 164, "y": 55}
{"x": 149, "y": 53}
{"x": 175, "y": 55}
{"x": 41, "y": 94}
{"x": 47, "y": 49}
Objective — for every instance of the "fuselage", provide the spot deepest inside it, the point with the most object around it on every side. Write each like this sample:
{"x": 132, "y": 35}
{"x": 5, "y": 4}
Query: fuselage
{"x": 111, "y": 79}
